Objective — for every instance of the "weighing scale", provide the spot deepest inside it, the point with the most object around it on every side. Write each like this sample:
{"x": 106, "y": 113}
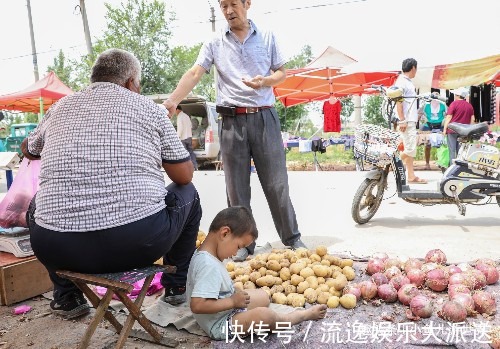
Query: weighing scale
{"x": 16, "y": 241}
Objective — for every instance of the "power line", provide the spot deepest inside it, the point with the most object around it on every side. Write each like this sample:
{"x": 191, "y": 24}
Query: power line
{"x": 39, "y": 53}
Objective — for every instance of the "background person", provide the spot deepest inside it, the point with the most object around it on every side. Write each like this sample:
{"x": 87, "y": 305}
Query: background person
{"x": 249, "y": 63}
{"x": 435, "y": 113}
{"x": 185, "y": 133}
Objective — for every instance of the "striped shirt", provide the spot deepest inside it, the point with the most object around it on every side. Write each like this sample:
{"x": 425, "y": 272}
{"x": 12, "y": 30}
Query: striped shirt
{"x": 102, "y": 151}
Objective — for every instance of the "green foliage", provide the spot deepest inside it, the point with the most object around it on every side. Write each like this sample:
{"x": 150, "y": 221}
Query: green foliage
{"x": 373, "y": 111}
{"x": 61, "y": 68}
{"x": 347, "y": 109}
{"x": 13, "y": 118}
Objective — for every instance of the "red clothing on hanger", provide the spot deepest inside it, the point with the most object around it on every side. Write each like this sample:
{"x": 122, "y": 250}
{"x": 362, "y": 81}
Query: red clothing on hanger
{"x": 331, "y": 122}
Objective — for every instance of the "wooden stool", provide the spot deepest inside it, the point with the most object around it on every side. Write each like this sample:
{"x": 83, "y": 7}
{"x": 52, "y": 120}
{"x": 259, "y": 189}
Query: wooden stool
{"x": 119, "y": 284}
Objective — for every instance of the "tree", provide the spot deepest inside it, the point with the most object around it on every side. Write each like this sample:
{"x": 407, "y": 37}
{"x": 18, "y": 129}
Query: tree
{"x": 63, "y": 70}
{"x": 347, "y": 109}
{"x": 373, "y": 111}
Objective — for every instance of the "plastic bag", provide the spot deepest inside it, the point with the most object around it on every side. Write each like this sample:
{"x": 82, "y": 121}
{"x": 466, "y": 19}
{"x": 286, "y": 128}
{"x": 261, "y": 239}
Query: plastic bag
{"x": 443, "y": 156}
{"x": 17, "y": 200}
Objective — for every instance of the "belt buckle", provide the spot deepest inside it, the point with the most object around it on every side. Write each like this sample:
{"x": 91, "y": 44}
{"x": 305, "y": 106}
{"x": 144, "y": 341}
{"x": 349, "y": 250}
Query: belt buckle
{"x": 251, "y": 110}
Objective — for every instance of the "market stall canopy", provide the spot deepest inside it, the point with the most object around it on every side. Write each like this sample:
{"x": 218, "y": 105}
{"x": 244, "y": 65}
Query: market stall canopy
{"x": 50, "y": 89}
{"x": 322, "y": 78}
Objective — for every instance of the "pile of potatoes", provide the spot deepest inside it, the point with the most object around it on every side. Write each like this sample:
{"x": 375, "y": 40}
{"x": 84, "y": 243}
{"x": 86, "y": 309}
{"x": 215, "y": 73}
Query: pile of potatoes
{"x": 296, "y": 277}
{"x": 201, "y": 237}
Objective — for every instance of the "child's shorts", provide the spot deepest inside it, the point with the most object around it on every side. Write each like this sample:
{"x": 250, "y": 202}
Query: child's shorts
{"x": 218, "y": 332}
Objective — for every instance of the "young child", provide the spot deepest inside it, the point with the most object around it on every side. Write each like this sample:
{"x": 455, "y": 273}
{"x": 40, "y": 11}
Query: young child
{"x": 213, "y": 299}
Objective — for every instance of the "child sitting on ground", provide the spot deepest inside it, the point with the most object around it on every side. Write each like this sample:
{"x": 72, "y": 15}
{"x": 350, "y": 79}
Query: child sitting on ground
{"x": 210, "y": 291}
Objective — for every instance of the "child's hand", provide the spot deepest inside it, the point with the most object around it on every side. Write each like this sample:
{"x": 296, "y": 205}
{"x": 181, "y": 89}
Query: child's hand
{"x": 240, "y": 299}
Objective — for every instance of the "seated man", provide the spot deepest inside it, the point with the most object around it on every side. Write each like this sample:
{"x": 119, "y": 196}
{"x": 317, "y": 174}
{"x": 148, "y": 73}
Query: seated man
{"x": 102, "y": 205}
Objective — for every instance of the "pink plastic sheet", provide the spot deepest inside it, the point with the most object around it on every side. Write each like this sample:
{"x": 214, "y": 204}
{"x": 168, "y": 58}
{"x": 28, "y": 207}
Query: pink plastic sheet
{"x": 153, "y": 288}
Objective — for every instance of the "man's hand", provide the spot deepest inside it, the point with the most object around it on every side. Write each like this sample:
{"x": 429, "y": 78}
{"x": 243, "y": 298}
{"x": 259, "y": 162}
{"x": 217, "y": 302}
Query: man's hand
{"x": 255, "y": 83}
{"x": 402, "y": 127}
{"x": 240, "y": 299}
{"x": 171, "y": 106}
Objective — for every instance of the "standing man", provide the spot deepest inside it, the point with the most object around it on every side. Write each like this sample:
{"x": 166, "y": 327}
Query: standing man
{"x": 408, "y": 117}
{"x": 461, "y": 112}
{"x": 249, "y": 63}
{"x": 185, "y": 133}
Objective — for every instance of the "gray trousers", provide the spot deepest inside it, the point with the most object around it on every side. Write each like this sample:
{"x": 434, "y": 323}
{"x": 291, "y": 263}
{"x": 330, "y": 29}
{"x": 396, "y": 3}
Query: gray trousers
{"x": 453, "y": 145}
{"x": 258, "y": 136}
{"x": 187, "y": 143}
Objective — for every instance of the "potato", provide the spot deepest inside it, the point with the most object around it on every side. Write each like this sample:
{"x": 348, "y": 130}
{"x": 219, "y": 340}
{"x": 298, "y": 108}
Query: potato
{"x": 263, "y": 257}
{"x": 323, "y": 298}
{"x": 272, "y": 273}
{"x": 330, "y": 282}
{"x": 290, "y": 289}
{"x": 273, "y": 257}
{"x": 245, "y": 278}
{"x": 198, "y": 243}
{"x": 277, "y": 250}
{"x": 321, "y": 280}
{"x": 285, "y": 263}
{"x": 334, "y": 292}
{"x": 329, "y": 273}
{"x": 230, "y": 266}
{"x": 277, "y": 289}
{"x": 323, "y": 288}
{"x": 290, "y": 297}
{"x": 301, "y": 253}
{"x": 320, "y": 270}
{"x": 239, "y": 271}
{"x": 349, "y": 273}
{"x": 296, "y": 279}
{"x": 348, "y": 301}
{"x": 325, "y": 262}
{"x": 310, "y": 295}
{"x": 231, "y": 275}
{"x": 288, "y": 254}
{"x": 249, "y": 285}
{"x": 239, "y": 285}
{"x": 238, "y": 278}
{"x": 286, "y": 283}
{"x": 335, "y": 261}
{"x": 256, "y": 264}
{"x": 312, "y": 281}
{"x": 315, "y": 258}
{"x": 201, "y": 233}
{"x": 340, "y": 282}
{"x": 305, "y": 261}
{"x": 336, "y": 273}
{"x": 333, "y": 302}
{"x": 262, "y": 271}
{"x": 279, "y": 298}
{"x": 321, "y": 250}
{"x": 295, "y": 268}
{"x": 267, "y": 280}
{"x": 298, "y": 301}
{"x": 254, "y": 276}
{"x": 285, "y": 274}
{"x": 273, "y": 265}
{"x": 293, "y": 259}
{"x": 302, "y": 287}
{"x": 306, "y": 272}
{"x": 346, "y": 263}
{"x": 277, "y": 280}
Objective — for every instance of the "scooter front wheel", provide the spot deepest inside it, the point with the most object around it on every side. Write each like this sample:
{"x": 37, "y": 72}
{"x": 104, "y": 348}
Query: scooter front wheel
{"x": 367, "y": 200}
{"x": 498, "y": 200}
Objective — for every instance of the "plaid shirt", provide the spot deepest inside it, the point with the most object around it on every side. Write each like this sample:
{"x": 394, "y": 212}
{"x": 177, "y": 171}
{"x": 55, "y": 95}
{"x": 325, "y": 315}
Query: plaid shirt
{"x": 102, "y": 150}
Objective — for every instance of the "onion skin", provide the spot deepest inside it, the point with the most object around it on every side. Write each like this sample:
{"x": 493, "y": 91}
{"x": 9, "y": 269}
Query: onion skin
{"x": 480, "y": 279}
{"x": 407, "y": 292}
{"x": 416, "y": 277}
{"x": 387, "y": 293}
{"x": 374, "y": 266}
{"x": 437, "y": 280}
{"x": 453, "y": 311}
{"x": 350, "y": 289}
{"x": 413, "y": 263}
{"x": 380, "y": 255}
{"x": 398, "y": 281}
{"x": 435, "y": 256}
{"x": 421, "y": 306}
{"x": 427, "y": 267}
{"x": 368, "y": 290}
{"x": 392, "y": 262}
{"x": 457, "y": 279}
{"x": 466, "y": 301}
{"x": 490, "y": 272}
{"x": 392, "y": 272}
{"x": 379, "y": 279}
{"x": 453, "y": 269}
{"x": 486, "y": 261}
{"x": 484, "y": 303}
{"x": 453, "y": 290}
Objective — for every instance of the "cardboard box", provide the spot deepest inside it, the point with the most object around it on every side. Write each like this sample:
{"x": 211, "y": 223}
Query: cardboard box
{"x": 21, "y": 278}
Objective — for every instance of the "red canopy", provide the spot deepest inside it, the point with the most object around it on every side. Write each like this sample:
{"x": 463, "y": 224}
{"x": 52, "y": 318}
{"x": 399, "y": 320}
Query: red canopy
{"x": 50, "y": 89}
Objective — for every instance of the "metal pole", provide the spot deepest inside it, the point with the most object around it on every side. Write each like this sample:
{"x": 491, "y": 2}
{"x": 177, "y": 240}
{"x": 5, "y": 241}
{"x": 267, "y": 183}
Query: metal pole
{"x": 33, "y": 47}
{"x": 86, "y": 27}
{"x": 216, "y": 75}
{"x": 357, "y": 110}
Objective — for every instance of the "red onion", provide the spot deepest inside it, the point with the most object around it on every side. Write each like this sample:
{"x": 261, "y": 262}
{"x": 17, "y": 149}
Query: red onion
{"x": 416, "y": 277}
{"x": 464, "y": 267}
{"x": 407, "y": 292}
{"x": 421, "y": 306}
{"x": 380, "y": 255}
{"x": 368, "y": 290}
{"x": 437, "y": 280}
{"x": 413, "y": 263}
{"x": 487, "y": 261}
{"x": 453, "y": 311}
{"x": 466, "y": 301}
{"x": 392, "y": 272}
{"x": 379, "y": 279}
{"x": 427, "y": 267}
{"x": 469, "y": 279}
{"x": 387, "y": 293}
{"x": 354, "y": 290}
{"x": 453, "y": 269}
{"x": 435, "y": 256}
{"x": 457, "y": 279}
{"x": 480, "y": 279}
{"x": 398, "y": 281}
{"x": 490, "y": 272}
{"x": 374, "y": 266}
{"x": 484, "y": 303}
{"x": 392, "y": 262}
{"x": 453, "y": 290}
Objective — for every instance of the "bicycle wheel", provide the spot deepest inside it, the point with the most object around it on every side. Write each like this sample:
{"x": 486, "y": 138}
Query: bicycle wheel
{"x": 367, "y": 200}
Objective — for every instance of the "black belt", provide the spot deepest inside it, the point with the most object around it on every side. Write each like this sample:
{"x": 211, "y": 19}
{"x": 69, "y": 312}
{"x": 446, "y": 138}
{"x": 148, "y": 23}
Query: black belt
{"x": 232, "y": 111}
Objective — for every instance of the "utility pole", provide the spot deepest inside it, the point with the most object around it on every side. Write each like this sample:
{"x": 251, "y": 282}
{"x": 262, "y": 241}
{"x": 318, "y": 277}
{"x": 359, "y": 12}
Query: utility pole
{"x": 216, "y": 75}
{"x": 86, "y": 27}
{"x": 33, "y": 47}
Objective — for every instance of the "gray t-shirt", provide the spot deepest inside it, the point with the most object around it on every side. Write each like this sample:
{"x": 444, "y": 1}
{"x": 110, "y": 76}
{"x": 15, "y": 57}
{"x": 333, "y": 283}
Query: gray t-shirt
{"x": 257, "y": 55}
{"x": 208, "y": 278}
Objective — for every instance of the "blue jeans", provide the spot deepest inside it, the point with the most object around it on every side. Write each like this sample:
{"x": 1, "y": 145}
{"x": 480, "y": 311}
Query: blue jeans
{"x": 453, "y": 146}
{"x": 170, "y": 233}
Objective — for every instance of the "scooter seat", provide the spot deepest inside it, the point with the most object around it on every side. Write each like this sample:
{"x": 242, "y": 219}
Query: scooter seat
{"x": 469, "y": 131}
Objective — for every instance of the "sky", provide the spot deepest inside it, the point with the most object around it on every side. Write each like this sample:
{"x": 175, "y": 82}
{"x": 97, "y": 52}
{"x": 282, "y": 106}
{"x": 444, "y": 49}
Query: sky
{"x": 377, "y": 33}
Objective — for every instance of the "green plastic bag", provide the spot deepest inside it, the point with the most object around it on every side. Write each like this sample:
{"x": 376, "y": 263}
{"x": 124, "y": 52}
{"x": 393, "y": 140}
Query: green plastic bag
{"x": 443, "y": 156}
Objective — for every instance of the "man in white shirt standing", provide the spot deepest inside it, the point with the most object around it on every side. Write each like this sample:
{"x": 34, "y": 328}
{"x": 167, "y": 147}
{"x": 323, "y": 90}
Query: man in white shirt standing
{"x": 185, "y": 133}
{"x": 408, "y": 117}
